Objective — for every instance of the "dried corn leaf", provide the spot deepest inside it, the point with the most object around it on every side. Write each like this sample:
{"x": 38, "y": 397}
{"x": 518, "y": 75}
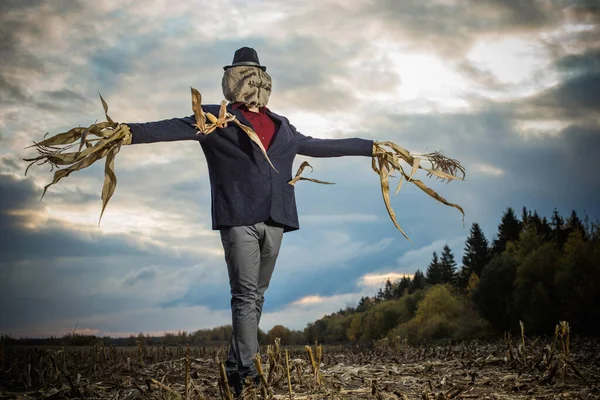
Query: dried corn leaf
{"x": 201, "y": 116}
{"x": 110, "y": 178}
{"x": 436, "y": 196}
{"x": 384, "y": 162}
{"x": 415, "y": 166}
{"x": 385, "y": 191}
{"x": 221, "y": 122}
{"x": 105, "y": 106}
{"x": 223, "y": 110}
{"x": 441, "y": 174}
{"x": 298, "y": 176}
{"x": 109, "y": 138}
{"x": 374, "y": 165}
{"x": 61, "y": 138}
{"x": 197, "y": 109}
{"x": 86, "y": 162}
{"x": 84, "y": 139}
{"x": 399, "y": 184}
{"x": 254, "y": 137}
{"x": 399, "y": 150}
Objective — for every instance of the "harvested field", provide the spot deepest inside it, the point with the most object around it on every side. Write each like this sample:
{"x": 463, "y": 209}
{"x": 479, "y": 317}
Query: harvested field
{"x": 513, "y": 368}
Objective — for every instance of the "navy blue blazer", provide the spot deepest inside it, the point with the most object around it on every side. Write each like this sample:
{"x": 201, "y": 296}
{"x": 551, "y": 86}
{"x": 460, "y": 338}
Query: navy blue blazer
{"x": 245, "y": 189}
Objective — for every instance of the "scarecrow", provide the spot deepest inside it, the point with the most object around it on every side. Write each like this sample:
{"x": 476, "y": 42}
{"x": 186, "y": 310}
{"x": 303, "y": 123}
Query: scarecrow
{"x": 249, "y": 152}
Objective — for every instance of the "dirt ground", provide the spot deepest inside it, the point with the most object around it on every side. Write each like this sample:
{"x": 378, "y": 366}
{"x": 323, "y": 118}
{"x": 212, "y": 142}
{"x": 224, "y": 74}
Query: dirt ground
{"x": 505, "y": 369}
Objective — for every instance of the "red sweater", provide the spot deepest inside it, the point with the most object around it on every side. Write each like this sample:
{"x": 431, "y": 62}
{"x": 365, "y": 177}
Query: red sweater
{"x": 262, "y": 124}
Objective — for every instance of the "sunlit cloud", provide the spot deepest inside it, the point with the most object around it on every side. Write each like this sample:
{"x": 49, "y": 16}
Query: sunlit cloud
{"x": 378, "y": 280}
{"x": 309, "y": 300}
{"x": 487, "y": 169}
{"x": 532, "y": 129}
{"x": 521, "y": 66}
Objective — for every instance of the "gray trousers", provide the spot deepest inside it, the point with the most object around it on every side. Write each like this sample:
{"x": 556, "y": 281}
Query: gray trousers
{"x": 250, "y": 253}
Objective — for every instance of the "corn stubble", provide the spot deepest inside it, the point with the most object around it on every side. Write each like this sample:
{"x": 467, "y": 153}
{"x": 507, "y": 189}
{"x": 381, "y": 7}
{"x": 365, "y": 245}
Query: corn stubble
{"x": 516, "y": 368}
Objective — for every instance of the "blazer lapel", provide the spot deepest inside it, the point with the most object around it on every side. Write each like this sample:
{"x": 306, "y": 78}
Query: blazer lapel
{"x": 280, "y": 137}
{"x": 238, "y": 114}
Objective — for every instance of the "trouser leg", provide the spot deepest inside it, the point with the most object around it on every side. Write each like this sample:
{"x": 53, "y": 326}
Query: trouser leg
{"x": 242, "y": 254}
{"x": 251, "y": 253}
{"x": 269, "y": 250}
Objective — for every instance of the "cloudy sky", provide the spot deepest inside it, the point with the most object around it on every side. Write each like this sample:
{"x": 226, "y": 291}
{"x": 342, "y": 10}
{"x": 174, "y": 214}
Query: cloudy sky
{"x": 510, "y": 88}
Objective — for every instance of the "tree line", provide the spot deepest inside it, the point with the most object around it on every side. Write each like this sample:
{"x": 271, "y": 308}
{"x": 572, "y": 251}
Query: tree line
{"x": 536, "y": 270}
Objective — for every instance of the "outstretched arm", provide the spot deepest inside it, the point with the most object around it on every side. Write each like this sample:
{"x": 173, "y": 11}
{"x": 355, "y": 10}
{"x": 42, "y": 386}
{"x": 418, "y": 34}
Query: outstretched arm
{"x": 312, "y": 147}
{"x": 168, "y": 130}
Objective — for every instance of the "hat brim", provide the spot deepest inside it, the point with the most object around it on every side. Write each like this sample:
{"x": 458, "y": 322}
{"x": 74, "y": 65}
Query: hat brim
{"x": 245, "y": 64}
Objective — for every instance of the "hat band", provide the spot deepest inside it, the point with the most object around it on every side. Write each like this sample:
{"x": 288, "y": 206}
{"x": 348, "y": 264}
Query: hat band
{"x": 249, "y": 63}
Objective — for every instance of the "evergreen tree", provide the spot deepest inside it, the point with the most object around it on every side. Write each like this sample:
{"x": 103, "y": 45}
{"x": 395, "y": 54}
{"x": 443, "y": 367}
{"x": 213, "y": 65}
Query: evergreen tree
{"x": 508, "y": 231}
{"x": 380, "y": 295}
{"x": 363, "y": 304}
{"x": 525, "y": 216}
{"x": 434, "y": 271}
{"x": 476, "y": 255}
{"x": 533, "y": 292}
{"x": 447, "y": 266}
{"x": 575, "y": 224}
{"x": 388, "y": 291}
{"x": 401, "y": 287}
{"x": 472, "y": 283}
{"x": 560, "y": 233}
{"x": 493, "y": 296}
{"x": 418, "y": 282}
{"x": 541, "y": 226}
{"x": 545, "y": 230}
{"x": 576, "y": 282}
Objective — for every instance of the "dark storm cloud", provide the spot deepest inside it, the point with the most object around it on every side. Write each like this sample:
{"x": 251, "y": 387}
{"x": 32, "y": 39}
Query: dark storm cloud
{"x": 324, "y": 281}
{"x": 54, "y": 272}
{"x": 543, "y": 172}
{"x": 19, "y": 63}
{"x": 148, "y": 273}
{"x": 583, "y": 11}
{"x": 518, "y": 13}
{"x": 111, "y": 62}
{"x": 18, "y": 204}
{"x": 25, "y": 309}
{"x": 481, "y": 76}
{"x": 215, "y": 297}
{"x": 20, "y": 243}
{"x": 304, "y": 78}
{"x": 451, "y": 28}
{"x": 16, "y": 62}
{"x": 61, "y": 5}
{"x": 65, "y": 94}
{"x": 580, "y": 64}
{"x": 38, "y": 22}
{"x": 575, "y": 98}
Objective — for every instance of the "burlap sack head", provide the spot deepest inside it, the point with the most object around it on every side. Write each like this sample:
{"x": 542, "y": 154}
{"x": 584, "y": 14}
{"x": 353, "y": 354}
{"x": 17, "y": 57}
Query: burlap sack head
{"x": 249, "y": 85}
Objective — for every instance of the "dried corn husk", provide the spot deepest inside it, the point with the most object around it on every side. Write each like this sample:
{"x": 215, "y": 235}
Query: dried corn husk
{"x": 221, "y": 122}
{"x": 299, "y": 176}
{"x": 110, "y": 136}
{"x": 385, "y": 162}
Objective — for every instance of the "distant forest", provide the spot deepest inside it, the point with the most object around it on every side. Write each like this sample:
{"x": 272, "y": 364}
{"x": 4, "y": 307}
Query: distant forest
{"x": 536, "y": 271}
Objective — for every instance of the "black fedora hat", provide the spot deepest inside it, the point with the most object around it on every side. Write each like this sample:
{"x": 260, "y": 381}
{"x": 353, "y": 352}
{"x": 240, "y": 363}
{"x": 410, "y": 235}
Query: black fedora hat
{"x": 245, "y": 56}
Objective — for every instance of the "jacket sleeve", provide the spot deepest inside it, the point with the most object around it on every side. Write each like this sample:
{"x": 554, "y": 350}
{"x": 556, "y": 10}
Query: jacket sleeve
{"x": 313, "y": 147}
{"x": 168, "y": 130}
